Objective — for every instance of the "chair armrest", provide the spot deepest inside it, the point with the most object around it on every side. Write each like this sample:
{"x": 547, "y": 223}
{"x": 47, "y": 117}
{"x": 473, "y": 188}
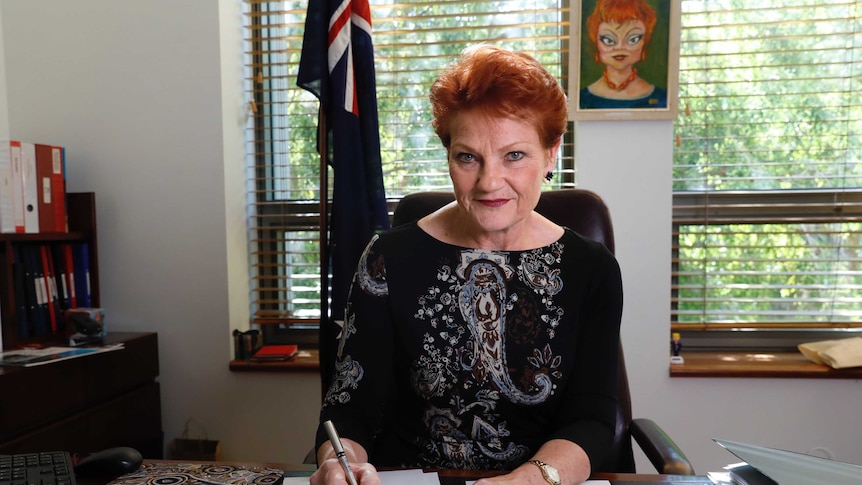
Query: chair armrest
{"x": 661, "y": 451}
{"x": 310, "y": 457}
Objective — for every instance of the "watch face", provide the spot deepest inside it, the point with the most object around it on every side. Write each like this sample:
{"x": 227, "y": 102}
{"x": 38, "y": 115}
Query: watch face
{"x": 553, "y": 474}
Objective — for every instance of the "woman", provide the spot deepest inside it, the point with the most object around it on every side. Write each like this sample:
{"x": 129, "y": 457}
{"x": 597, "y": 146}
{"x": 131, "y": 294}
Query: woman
{"x": 483, "y": 336}
{"x": 621, "y": 30}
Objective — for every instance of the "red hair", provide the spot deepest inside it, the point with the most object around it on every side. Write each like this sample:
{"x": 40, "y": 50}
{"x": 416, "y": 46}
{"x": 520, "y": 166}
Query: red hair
{"x": 501, "y": 83}
{"x": 620, "y": 12}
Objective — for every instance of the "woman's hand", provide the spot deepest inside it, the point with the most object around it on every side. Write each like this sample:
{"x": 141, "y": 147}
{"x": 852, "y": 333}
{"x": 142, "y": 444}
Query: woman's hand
{"x": 331, "y": 473}
{"x": 568, "y": 458}
{"x": 518, "y": 476}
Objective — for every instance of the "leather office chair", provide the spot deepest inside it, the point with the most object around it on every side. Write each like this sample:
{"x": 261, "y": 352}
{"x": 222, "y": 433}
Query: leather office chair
{"x": 585, "y": 213}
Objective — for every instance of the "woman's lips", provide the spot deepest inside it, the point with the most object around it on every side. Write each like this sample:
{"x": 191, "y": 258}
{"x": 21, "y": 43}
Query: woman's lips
{"x": 494, "y": 202}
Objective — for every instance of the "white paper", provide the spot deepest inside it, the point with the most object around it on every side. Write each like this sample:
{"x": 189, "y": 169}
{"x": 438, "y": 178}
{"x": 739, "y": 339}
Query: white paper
{"x": 588, "y": 482}
{"x": 393, "y": 477}
{"x": 47, "y": 355}
{"x": 412, "y": 477}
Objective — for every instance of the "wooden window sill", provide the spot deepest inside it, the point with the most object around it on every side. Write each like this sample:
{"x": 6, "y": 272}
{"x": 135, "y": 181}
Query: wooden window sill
{"x": 756, "y": 364}
{"x": 697, "y": 364}
{"x": 304, "y": 361}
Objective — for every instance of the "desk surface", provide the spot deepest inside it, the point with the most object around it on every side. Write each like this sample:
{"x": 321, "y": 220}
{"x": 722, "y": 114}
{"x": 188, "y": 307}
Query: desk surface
{"x": 457, "y": 477}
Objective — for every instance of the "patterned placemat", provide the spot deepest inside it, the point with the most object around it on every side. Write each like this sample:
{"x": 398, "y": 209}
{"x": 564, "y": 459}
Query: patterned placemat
{"x": 200, "y": 474}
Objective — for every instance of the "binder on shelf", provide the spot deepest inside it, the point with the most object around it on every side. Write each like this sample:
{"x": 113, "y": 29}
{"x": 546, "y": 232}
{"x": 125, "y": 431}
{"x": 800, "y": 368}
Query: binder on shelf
{"x": 33, "y": 292}
{"x": 69, "y": 262}
{"x": 17, "y": 185}
{"x": 54, "y": 314}
{"x": 58, "y": 188}
{"x": 61, "y": 276}
{"x": 81, "y": 258}
{"x": 22, "y": 310}
{"x": 7, "y": 216}
{"x": 43, "y": 310}
{"x": 31, "y": 188}
{"x": 44, "y": 179}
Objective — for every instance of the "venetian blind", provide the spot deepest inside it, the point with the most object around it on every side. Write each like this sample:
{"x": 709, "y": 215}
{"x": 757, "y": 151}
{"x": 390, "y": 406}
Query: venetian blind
{"x": 768, "y": 165}
{"x": 414, "y": 41}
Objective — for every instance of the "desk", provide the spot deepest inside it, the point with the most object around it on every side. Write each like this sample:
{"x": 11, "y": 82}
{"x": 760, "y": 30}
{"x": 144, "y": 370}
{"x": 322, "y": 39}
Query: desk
{"x": 452, "y": 477}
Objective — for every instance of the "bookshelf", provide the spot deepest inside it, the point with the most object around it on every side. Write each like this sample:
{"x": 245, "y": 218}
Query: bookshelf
{"x": 81, "y": 210}
{"x": 87, "y": 403}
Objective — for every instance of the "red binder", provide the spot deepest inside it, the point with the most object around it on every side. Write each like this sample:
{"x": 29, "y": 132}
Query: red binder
{"x": 275, "y": 352}
{"x": 45, "y": 195}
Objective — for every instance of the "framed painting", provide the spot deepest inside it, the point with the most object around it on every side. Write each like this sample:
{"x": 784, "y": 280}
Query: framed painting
{"x": 624, "y": 59}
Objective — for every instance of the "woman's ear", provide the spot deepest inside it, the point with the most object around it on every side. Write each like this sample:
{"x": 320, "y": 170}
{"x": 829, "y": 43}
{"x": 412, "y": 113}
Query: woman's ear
{"x": 552, "y": 154}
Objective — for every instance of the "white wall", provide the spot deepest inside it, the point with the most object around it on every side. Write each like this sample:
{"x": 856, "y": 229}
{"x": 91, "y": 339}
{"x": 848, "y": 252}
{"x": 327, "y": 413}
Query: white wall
{"x": 4, "y": 115}
{"x": 146, "y": 99}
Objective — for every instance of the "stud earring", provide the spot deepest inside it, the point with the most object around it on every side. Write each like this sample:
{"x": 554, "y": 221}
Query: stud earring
{"x": 549, "y": 176}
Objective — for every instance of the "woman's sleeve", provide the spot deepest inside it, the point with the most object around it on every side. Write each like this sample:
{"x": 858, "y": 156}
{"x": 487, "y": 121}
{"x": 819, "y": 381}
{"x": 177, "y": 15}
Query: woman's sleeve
{"x": 591, "y": 395}
{"x": 363, "y": 370}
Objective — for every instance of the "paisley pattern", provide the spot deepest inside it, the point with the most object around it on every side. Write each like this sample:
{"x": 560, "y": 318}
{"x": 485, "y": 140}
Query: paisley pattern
{"x": 462, "y": 370}
{"x": 199, "y": 474}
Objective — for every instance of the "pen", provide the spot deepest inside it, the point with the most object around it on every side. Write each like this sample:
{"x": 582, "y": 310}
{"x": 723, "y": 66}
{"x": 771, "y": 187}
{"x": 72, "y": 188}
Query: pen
{"x": 339, "y": 451}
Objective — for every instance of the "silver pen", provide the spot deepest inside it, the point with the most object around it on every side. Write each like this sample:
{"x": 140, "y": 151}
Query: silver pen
{"x": 339, "y": 451}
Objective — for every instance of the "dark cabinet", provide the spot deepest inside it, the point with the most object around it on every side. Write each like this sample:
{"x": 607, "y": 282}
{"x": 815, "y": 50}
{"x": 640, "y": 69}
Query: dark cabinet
{"x": 87, "y": 403}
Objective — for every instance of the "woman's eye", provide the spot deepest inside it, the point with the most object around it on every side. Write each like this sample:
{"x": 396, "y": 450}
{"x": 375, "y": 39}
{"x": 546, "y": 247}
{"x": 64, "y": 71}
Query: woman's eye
{"x": 465, "y": 157}
{"x": 514, "y": 156}
{"x": 635, "y": 39}
{"x": 607, "y": 40}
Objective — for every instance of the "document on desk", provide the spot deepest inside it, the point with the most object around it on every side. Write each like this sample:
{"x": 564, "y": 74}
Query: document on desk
{"x": 588, "y": 482}
{"x": 791, "y": 468}
{"x": 393, "y": 477}
{"x": 412, "y": 477}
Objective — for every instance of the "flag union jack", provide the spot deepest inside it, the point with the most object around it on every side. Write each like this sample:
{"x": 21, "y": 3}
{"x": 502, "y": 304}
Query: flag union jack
{"x": 337, "y": 65}
{"x": 347, "y": 15}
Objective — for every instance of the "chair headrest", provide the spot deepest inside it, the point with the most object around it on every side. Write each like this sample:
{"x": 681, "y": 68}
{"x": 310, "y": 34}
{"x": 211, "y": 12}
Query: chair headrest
{"x": 580, "y": 210}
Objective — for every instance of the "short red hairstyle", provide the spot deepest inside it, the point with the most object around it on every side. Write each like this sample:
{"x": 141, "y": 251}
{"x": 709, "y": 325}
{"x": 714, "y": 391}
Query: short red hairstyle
{"x": 503, "y": 84}
{"x": 620, "y": 12}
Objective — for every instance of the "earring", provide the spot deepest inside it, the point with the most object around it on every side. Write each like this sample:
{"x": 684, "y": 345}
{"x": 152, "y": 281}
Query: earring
{"x": 549, "y": 176}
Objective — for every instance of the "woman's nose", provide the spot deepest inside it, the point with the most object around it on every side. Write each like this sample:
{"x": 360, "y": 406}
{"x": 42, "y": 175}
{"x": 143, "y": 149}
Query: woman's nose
{"x": 490, "y": 176}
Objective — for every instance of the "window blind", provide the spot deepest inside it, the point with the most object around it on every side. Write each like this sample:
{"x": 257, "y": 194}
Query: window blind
{"x": 768, "y": 166}
{"x": 414, "y": 41}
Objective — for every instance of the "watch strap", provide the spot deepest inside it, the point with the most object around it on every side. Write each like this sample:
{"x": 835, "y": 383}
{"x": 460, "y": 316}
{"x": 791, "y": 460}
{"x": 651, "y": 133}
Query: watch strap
{"x": 544, "y": 468}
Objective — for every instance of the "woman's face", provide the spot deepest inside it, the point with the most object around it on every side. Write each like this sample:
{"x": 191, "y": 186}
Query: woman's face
{"x": 497, "y": 166}
{"x": 621, "y": 45}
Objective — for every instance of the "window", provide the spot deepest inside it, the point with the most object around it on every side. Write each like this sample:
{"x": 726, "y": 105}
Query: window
{"x": 768, "y": 172}
{"x": 413, "y": 41}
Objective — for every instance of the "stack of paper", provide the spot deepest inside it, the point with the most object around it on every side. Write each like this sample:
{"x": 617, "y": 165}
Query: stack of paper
{"x": 837, "y": 354}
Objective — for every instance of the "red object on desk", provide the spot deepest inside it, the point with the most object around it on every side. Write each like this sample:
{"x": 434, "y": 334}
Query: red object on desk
{"x": 275, "y": 352}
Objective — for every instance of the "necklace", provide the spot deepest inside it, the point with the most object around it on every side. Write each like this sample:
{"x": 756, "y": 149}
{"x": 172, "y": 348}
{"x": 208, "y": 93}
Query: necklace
{"x": 623, "y": 84}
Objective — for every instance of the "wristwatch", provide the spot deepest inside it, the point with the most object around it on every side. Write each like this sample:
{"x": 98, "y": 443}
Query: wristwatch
{"x": 550, "y": 473}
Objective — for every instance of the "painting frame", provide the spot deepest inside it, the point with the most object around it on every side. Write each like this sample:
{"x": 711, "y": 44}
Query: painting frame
{"x": 660, "y": 67}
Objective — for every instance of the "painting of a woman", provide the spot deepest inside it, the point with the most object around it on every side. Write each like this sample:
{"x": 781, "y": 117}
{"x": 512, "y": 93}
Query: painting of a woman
{"x": 621, "y": 31}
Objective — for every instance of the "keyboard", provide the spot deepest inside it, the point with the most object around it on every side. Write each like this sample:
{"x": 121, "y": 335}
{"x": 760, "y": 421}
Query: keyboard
{"x": 47, "y": 468}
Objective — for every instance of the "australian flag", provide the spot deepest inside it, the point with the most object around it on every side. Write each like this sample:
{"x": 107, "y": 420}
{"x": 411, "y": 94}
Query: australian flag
{"x": 337, "y": 66}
